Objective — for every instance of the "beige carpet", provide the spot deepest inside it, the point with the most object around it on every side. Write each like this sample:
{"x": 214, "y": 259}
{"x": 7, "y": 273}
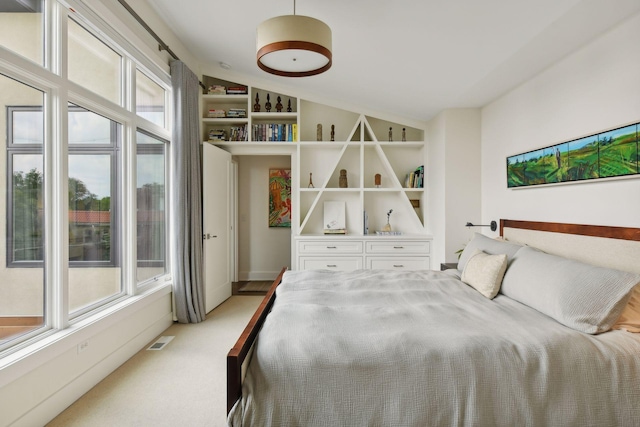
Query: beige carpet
{"x": 184, "y": 384}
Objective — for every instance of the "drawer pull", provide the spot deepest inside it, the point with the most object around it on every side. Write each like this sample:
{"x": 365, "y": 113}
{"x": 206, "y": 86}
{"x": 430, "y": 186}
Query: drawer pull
{"x": 398, "y": 265}
{"x": 398, "y": 247}
{"x": 331, "y": 265}
{"x": 331, "y": 247}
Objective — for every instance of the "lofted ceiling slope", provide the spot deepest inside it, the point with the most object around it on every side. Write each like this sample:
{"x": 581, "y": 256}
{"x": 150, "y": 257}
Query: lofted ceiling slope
{"x": 407, "y": 58}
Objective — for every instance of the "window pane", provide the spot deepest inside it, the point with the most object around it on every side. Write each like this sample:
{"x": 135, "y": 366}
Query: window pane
{"x": 21, "y": 28}
{"x": 93, "y": 253}
{"x": 27, "y": 125}
{"x": 89, "y": 202}
{"x": 87, "y": 127}
{"x": 92, "y": 64}
{"x": 22, "y": 290}
{"x": 151, "y": 226}
{"x": 149, "y": 99}
{"x": 26, "y": 208}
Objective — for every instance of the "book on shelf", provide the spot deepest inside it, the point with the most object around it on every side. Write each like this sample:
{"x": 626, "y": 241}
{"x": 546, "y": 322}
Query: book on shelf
{"x": 238, "y": 133}
{"x": 274, "y": 132}
{"x": 217, "y": 135}
{"x": 217, "y": 90}
{"x": 388, "y": 233}
{"x": 237, "y": 90}
{"x": 415, "y": 178}
{"x": 335, "y": 231}
{"x": 238, "y": 113}
{"x": 216, "y": 113}
{"x": 365, "y": 223}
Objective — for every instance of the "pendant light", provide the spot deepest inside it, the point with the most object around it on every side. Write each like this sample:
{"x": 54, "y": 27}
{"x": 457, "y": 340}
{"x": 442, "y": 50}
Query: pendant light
{"x": 293, "y": 45}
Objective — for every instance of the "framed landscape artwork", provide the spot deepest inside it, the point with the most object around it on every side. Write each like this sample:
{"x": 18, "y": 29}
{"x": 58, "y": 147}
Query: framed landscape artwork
{"x": 613, "y": 153}
{"x": 280, "y": 198}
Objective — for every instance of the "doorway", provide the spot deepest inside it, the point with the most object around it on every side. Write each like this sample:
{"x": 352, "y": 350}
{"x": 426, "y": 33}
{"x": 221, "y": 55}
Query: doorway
{"x": 262, "y": 250}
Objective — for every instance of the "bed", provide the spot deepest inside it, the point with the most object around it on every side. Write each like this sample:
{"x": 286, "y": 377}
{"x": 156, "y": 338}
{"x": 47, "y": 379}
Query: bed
{"x": 553, "y": 345}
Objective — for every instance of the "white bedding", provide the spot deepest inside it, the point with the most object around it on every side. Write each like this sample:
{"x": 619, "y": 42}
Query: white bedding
{"x": 421, "y": 348}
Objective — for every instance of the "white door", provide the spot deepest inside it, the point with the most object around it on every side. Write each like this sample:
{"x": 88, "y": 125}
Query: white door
{"x": 216, "y": 212}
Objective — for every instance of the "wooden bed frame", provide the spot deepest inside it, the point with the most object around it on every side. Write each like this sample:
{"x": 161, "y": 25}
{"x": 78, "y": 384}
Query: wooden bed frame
{"x": 239, "y": 352}
{"x": 238, "y": 356}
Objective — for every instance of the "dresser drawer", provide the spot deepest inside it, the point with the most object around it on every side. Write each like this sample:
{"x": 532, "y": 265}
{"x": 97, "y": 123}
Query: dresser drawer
{"x": 322, "y": 263}
{"x": 328, "y": 247}
{"x": 391, "y": 247}
{"x": 400, "y": 263}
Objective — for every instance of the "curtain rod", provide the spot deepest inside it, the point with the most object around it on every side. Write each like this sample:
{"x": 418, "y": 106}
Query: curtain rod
{"x": 161, "y": 44}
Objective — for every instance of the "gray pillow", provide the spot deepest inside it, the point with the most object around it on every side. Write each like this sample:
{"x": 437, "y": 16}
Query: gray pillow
{"x": 488, "y": 245}
{"x": 581, "y": 296}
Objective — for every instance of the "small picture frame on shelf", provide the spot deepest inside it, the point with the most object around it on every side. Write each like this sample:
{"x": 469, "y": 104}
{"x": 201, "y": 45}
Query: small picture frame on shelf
{"x": 334, "y": 217}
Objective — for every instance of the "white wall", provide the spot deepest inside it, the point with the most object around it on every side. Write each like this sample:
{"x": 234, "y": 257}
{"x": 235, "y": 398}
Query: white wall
{"x": 262, "y": 251}
{"x": 453, "y": 142}
{"x": 594, "y": 89}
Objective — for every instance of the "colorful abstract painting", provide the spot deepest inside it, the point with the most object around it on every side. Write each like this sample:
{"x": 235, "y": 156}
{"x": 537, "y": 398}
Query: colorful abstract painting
{"x": 607, "y": 154}
{"x": 279, "y": 198}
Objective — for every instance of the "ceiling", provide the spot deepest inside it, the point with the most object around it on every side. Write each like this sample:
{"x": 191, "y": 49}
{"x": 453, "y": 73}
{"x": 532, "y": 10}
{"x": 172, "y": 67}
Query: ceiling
{"x": 410, "y": 58}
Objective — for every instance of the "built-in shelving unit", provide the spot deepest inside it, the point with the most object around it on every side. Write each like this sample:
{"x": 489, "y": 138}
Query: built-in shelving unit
{"x": 362, "y": 145}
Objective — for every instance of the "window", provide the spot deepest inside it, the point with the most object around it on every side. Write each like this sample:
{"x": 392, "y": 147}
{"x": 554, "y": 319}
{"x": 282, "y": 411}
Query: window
{"x": 23, "y": 287}
{"x": 93, "y": 200}
{"x": 151, "y": 201}
{"x": 25, "y": 220}
{"x": 92, "y": 146}
{"x": 94, "y": 143}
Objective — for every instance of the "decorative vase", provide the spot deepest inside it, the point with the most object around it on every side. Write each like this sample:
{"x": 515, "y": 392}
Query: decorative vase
{"x": 387, "y": 226}
{"x": 342, "y": 181}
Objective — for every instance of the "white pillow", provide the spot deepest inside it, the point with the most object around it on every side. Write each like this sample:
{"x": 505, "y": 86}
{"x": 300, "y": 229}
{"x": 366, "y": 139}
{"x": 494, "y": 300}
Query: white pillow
{"x": 581, "y": 296}
{"x": 484, "y": 272}
{"x": 487, "y": 245}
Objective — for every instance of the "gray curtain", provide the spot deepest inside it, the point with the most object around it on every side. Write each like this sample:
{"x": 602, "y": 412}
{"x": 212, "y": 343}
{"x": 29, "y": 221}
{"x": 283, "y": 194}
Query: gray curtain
{"x": 186, "y": 211}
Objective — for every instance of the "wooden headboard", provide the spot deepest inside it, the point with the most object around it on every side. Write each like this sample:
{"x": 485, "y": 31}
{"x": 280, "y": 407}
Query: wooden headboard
{"x": 612, "y": 247}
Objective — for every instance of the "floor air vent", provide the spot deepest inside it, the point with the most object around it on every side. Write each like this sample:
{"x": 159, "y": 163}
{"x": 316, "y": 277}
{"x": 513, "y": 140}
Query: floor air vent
{"x": 160, "y": 343}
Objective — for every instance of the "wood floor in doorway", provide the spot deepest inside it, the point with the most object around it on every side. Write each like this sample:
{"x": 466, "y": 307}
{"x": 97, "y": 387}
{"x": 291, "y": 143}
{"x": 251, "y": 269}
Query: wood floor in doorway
{"x": 251, "y": 287}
